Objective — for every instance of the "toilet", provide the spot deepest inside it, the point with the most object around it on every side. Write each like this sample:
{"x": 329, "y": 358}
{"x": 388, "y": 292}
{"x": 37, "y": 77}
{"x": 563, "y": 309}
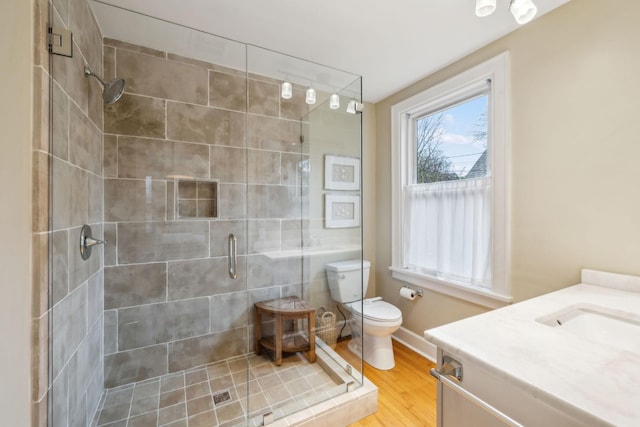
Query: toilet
{"x": 372, "y": 318}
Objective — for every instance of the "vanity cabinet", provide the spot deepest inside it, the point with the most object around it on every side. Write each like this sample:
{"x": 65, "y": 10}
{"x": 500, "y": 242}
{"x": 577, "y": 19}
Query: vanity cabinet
{"x": 474, "y": 396}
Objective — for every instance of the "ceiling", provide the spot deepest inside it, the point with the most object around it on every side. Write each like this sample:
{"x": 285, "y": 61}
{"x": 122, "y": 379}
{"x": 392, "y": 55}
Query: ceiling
{"x": 390, "y": 43}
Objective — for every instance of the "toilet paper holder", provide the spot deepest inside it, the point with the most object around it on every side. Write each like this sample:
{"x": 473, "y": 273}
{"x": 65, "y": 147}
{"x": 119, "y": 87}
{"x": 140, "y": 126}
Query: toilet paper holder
{"x": 418, "y": 292}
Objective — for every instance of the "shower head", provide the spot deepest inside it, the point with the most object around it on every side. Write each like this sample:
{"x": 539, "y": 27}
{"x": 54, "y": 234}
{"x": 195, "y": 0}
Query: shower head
{"x": 111, "y": 90}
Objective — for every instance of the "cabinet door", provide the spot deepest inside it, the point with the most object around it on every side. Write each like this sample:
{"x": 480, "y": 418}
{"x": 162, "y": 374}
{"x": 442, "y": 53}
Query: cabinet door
{"x": 457, "y": 411}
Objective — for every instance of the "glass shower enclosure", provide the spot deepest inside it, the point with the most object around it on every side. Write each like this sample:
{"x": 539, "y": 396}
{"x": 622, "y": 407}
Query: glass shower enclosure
{"x": 225, "y": 176}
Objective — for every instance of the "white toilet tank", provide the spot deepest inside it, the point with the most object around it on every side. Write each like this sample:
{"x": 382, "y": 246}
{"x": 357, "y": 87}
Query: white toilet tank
{"x": 344, "y": 279}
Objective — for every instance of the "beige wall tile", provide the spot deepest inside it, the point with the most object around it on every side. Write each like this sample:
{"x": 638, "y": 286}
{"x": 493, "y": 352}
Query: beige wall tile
{"x": 110, "y": 156}
{"x": 95, "y": 198}
{"x": 141, "y": 157}
{"x": 110, "y": 331}
{"x": 232, "y": 201}
{"x": 206, "y": 125}
{"x": 228, "y": 164}
{"x": 295, "y": 108}
{"x": 203, "y": 277}
{"x": 134, "y": 200}
{"x": 136, "y": 115}
{"x": 227, "y": 91}
{"x": 133, "y": 47}
{"x": 86, "y": 33}
{"x": 62, "y": 9}
{"x": 129, "y": 285}
{"x": 70, "y": 317}
{"x": 60, "y": 123}
{"x": 263, "y": 167}
{"x": 69, "y": 73}
{"x": 263, "y": 272}
{"x": 162, "y": 241}
{"x": 160, "y": 78}
{"x": 109, "y": 63}
{"x": 268, "y": 133}
{"x": 146, "y": 325}
{"x": 110, "y": 249}
{"x": 264, "y": 98}
{"x": 59, "y": 265}
{"x": 264, "y": 236}
{"x": 135, "y": 365}
{"x": 85, "y": 142}
{"x": 276, "y": 201}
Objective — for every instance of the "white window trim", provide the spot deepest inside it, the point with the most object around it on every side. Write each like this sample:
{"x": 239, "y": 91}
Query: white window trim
{"x": 496, "y": 69}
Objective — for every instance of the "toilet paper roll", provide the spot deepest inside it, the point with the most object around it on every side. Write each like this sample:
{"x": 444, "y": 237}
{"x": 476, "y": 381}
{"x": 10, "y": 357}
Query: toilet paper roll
{"x": 408, "y": 293}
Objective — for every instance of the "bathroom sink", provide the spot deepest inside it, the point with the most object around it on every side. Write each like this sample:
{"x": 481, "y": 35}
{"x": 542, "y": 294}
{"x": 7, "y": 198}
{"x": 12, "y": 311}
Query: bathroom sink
{"x": 599, "y": 324}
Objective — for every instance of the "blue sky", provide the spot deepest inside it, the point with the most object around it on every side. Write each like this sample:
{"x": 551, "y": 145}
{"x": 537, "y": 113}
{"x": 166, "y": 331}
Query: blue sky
{"x": 459, "y": 123}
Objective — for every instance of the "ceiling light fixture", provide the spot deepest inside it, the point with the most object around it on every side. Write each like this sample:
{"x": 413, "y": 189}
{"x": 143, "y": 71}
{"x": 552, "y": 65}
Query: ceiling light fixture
{"x": 485, "y": 7}
{"x": 523, "y": 10}
{"x": 334, "y": 101}
{"x": 286, "y": 90}
{"x": 310, "y": 98}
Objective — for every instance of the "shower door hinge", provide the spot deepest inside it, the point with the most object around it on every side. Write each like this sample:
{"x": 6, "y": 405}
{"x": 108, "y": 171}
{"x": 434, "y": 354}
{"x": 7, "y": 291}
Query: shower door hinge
{"x": 60, "y": 41}
{"x": 301, "y": 139}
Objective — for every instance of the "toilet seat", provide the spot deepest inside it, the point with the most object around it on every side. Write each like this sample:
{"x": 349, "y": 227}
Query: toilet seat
{"x": 378, "y": 310}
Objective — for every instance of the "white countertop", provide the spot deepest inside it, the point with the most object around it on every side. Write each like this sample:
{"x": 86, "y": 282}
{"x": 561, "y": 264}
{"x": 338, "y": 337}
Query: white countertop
{"x": 570, "y": 371}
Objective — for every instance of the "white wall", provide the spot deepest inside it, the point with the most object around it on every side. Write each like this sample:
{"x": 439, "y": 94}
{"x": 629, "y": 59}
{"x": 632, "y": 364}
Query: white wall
{"x": 15, "y": 213}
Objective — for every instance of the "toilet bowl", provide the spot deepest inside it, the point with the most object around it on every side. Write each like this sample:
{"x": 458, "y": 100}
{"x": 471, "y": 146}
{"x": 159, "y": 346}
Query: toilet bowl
{"x": 372, "y": 320}
{"x": 376, "y": 321}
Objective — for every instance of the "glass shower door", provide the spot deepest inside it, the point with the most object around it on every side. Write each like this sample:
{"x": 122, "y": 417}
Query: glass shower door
{"x": 291, "y": 129}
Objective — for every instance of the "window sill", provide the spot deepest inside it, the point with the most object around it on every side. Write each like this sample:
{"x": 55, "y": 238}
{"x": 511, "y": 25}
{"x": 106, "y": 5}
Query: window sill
{"x": 477, "y": 296}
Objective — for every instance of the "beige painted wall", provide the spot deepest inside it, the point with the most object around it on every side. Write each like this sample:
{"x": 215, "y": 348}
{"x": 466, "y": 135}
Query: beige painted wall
{"x": 575, "y": 154}
{"x": 369, "y": 192}
{"x": 15, "y": 215}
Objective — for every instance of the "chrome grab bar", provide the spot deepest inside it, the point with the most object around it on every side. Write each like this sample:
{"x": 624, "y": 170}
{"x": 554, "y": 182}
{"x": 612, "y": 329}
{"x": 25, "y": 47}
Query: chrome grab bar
{"x": 453, "y": 368}
{"x": 233, "y": 256}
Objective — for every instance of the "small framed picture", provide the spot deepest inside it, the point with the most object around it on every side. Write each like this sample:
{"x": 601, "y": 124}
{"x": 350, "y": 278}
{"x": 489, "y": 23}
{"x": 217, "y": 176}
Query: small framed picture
{"x": 341, "y": 211}
{"x": 341, "y": 173}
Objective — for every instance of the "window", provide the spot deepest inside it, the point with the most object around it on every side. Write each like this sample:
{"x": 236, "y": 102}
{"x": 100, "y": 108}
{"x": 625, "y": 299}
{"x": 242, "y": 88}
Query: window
{"x": 450, "y": 182}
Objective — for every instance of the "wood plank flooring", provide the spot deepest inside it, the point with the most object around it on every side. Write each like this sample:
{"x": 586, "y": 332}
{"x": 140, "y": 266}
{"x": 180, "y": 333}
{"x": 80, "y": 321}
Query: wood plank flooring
{"x": 406, "y": 393}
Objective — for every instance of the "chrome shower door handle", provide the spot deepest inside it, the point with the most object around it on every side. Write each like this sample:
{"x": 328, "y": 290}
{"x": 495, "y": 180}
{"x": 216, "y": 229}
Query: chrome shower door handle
{"x": 233, "y": 256}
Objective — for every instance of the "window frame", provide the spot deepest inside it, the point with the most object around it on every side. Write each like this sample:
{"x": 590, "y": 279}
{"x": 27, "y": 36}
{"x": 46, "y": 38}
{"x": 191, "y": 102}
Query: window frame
{"x": 403, "y": 114}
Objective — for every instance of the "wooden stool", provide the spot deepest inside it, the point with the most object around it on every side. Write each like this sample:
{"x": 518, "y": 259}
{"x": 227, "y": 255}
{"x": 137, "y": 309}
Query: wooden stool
{"x": 290, "y": 308}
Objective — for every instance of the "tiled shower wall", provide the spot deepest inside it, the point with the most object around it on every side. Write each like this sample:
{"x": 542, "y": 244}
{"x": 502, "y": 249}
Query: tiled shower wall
{"x": 68, "y": 292}
{"x": 169, "y": 301}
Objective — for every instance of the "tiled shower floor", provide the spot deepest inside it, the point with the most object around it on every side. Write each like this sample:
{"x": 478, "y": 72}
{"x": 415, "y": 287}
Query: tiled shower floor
{"x": 216, "y": 395}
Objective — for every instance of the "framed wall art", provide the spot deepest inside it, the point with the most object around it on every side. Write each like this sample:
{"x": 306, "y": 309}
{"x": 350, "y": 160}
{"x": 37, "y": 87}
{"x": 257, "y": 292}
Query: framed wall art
{"x": 341, "y": 211}
{"x": 341, "y": 173}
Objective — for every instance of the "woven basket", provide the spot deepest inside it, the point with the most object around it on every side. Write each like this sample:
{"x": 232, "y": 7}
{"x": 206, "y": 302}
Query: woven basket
{"x": 326, "y": 327}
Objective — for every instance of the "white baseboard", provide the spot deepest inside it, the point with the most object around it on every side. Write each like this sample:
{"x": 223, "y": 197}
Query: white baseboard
{"x": 416, "y": 343}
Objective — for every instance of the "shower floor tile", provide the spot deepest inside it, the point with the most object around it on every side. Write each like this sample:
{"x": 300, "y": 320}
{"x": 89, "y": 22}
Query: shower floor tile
{"x": 219, "y": 394}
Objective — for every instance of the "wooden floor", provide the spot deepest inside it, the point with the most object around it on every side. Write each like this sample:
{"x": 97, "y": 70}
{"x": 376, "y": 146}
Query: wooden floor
{"x": 406, "y": 393}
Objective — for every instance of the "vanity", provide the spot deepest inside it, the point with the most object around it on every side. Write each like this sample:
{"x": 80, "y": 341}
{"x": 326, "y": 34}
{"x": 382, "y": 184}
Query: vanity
{"x": 567, "y": 358}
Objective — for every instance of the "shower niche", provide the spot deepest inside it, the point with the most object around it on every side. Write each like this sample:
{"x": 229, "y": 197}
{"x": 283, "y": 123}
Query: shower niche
{"x": 194, "y": 198}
